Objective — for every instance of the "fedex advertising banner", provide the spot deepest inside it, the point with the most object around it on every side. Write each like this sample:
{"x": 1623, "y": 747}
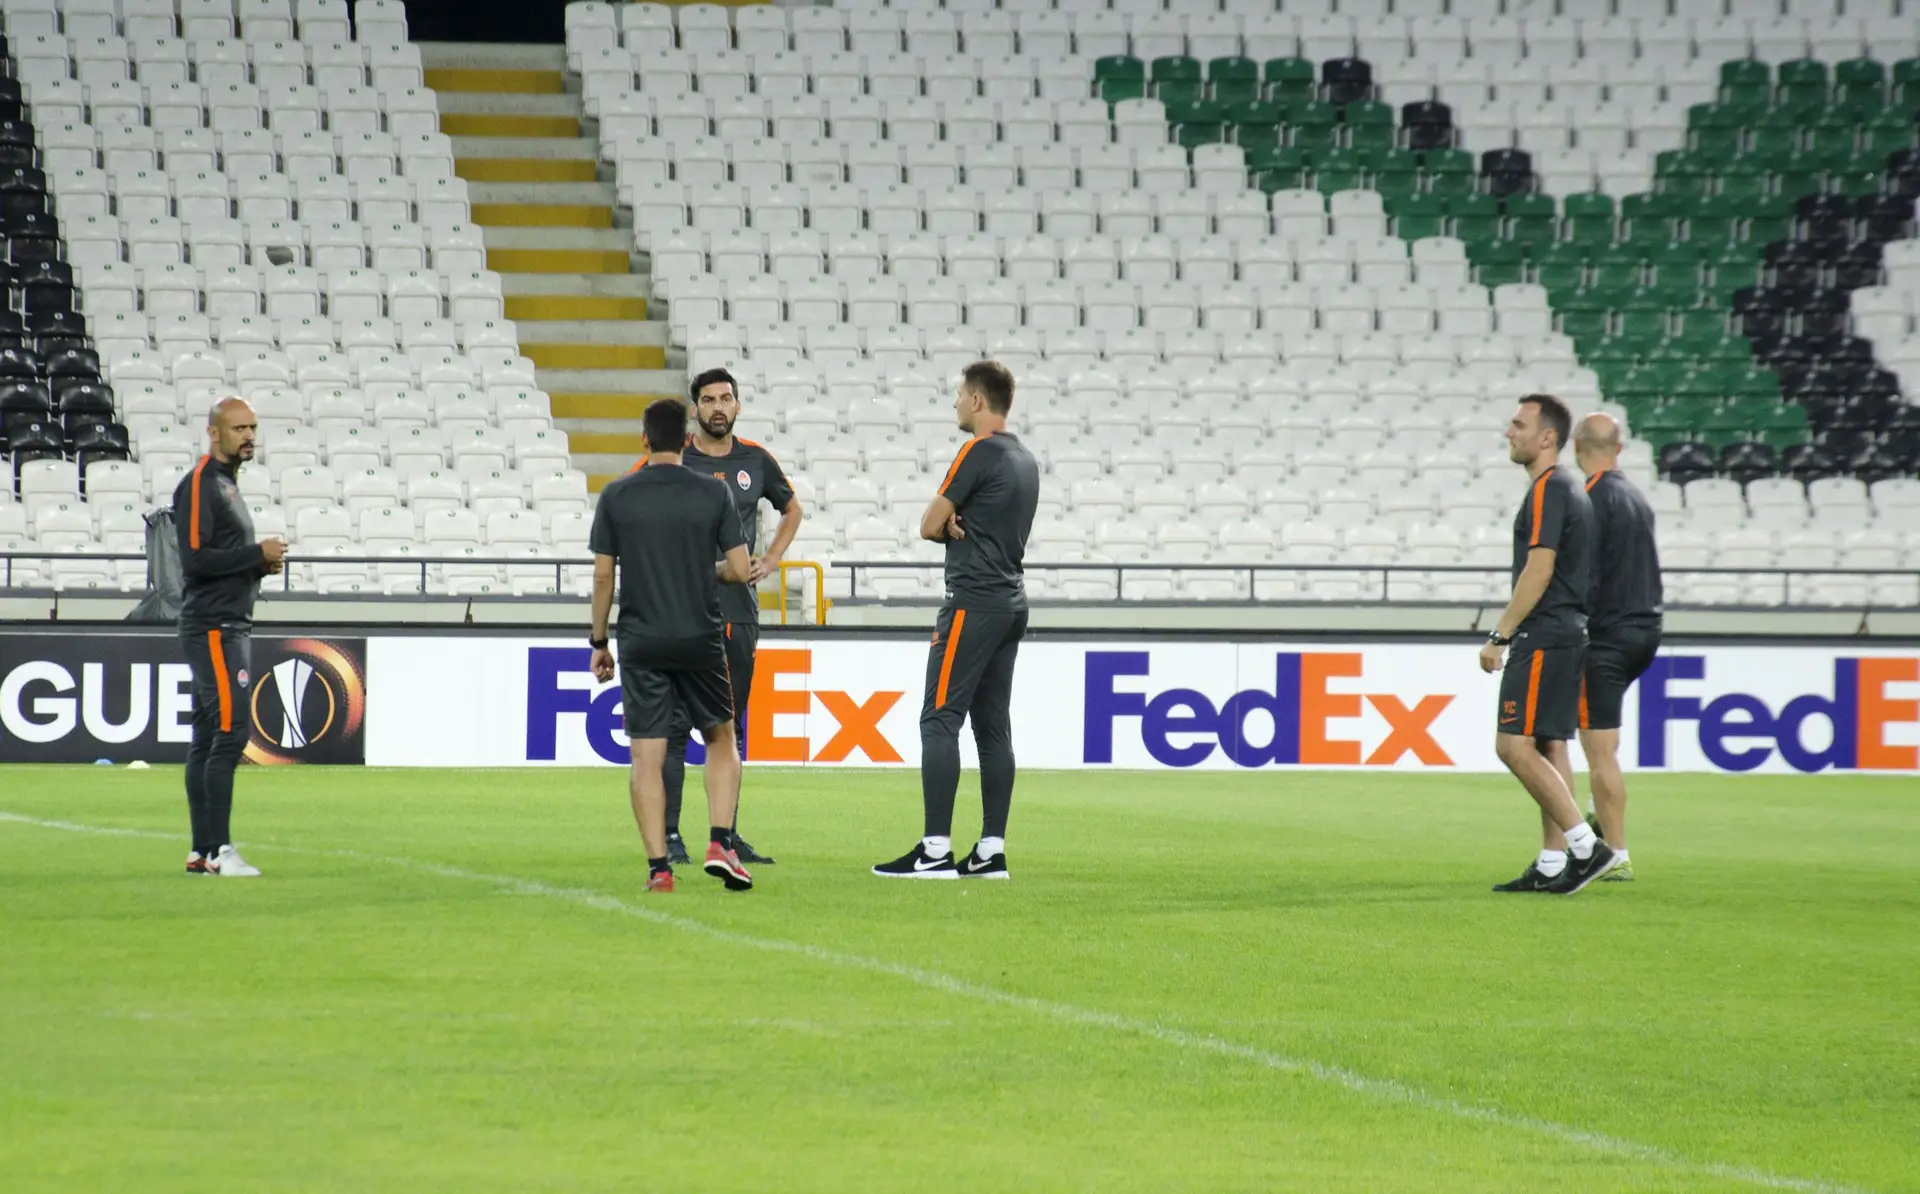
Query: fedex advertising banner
{"x": 446, "y": 702}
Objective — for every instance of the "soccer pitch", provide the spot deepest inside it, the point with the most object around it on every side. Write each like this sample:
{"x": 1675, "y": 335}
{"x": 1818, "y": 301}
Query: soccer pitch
{"x": 450, "y": 981}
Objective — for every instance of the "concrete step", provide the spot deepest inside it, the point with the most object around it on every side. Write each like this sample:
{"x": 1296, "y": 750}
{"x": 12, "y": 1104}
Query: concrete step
{"x": 559, "y": 261}
{"x": 597, "y": 194}
{"x": 603, "y": 411}
{"x": 594, "y": 357}
{"x": 508, "y": 124}
{"x": 515, "y": 103}
{"x": 545, "y": 308}
{"x": 486, "y": 55}
{"x": 542, "y": 215}
{"x": 494, "y": 81}
{"x": 511, "y": 148}
{"x": 606, "y": 239}
{"x": 569, "y": 380}
{"x": 578, "y": 285}
{"x": 526, "y": 170}
{"x": 588, "y": 332}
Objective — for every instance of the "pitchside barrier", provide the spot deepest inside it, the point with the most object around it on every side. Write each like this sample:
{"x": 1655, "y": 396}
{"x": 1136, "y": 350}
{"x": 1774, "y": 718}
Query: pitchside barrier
{"x": 481, "y": 699}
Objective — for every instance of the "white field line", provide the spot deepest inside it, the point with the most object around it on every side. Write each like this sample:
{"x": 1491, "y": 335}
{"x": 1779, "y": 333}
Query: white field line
{"x": 1383, "y": 1089}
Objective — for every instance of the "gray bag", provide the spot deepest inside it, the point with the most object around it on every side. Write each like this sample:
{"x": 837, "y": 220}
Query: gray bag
{"x": 164, "y": 582}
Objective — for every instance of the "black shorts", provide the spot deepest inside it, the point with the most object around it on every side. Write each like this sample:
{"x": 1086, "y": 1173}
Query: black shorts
{"x": 682, "y": 684}
{"x": 1540, "y": 692}
{"x": 1614, "y": 661}
{"x": 971, "y": 659}
{"x": 742, "y": 643}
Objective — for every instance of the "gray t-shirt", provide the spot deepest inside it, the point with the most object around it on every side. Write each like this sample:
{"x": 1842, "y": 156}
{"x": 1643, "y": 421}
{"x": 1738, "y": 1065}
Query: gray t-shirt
{"x": 665, "y": 524}
{"x": 994, "y": 483}
{"x": 750, "y": 474}
{"x": 1556, "y": 515}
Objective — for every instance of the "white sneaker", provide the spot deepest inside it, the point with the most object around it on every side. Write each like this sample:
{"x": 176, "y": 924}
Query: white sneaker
{"x": 229, "y": 865}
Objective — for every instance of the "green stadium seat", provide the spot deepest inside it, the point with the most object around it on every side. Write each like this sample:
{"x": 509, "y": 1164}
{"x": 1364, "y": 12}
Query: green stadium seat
{"x": 1370, "y": 124}
{"x": 1418, "y": 215}
{"x": 1860, "y": 83}
{"x": 1757, "y": 381}
{"x": 1475, "y": 217}
{"x": 1782, "y": 425}
{"x": 1339, "y": 170}
{"x": 1683, "y": 174}
{"x": 1906, "y": 82}
{"x": 1745, "y": 81}
{"x": 1720, "y": 425}
{"x": 1120, "y": 67}
{"x": 1197, "y": 122}
{"x": 1498, "y": 262}
{"x": 1588, "y": 217}
{"x": 1664, "y": 425}
{"x": 1715, "y": 219}
{"x": 1531, "y": 218}
{"x": 1233, "y": 80}
{"x": 1773, "y": 140}
{"x": 1742, "y": 183}
{"x": 1179, "y": 91}
{"x": 1282, "y": 168}
{"x": 1621, "y": 269}
{"x": 1675, "y": 262}
{"x": 1315, "y": 124}
{"x": 1290, "y": 79}
{"x": 1890, "y": 132}
{"x": 1176, "y": 68}
{"x": 1803, "y": 83}
{"x": 1449, "y": 171}
{"x": 1115, "y": 91}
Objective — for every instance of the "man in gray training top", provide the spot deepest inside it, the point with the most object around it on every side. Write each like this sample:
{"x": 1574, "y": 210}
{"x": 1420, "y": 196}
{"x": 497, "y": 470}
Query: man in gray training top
{"x": 1624, "y": 615}
{"x": 663, "y": 525}
{"x": 983, "y": 513}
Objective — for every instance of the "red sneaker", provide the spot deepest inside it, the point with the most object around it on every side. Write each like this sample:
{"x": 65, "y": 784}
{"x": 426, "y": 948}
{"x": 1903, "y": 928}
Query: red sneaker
{"x": 660, "y": 881}
{"x": 724, "y": 865}
{"x": 197, "y": 864}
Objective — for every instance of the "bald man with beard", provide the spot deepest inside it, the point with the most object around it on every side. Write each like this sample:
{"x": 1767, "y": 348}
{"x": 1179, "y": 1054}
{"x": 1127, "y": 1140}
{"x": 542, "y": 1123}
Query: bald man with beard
{"x": 1624, "y": 621}
{"x": 222, "y": 565}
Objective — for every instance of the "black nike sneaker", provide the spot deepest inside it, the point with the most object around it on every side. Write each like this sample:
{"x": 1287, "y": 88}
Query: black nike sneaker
{"x": 975, "y": 867}
{"x": 1530, "y": 880}
{"x": 1582, "y": 871}
{"x": 748, "y": 853}
{"x": 918, "y": 864}
{"x": 677, "y": 850}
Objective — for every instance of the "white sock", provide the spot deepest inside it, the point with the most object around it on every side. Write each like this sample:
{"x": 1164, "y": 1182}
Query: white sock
{"x": 1622, "y": 855}
{"x": 936, "y": 847}
{"x": 1580, "y": 841}
{"x": 989, "y": 846}
{"x": 1551, "y": 862}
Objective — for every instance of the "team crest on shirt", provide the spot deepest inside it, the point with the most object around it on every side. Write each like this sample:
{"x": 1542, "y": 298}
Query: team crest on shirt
{"x": 744, "y": 481}
{"x": 242, "y": 678}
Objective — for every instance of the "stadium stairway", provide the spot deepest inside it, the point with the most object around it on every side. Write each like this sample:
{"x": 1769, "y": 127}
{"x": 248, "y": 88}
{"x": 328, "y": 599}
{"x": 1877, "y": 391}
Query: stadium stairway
{"x": 569, "y": 277}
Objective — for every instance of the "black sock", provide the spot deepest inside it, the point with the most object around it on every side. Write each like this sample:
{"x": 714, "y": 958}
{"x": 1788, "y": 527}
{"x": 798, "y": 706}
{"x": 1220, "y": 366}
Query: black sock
{"x": 723, "y": 836}
{"x": 657, "y": 866}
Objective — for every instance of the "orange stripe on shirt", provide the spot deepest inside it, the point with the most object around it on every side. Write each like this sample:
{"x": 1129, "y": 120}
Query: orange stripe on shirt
{"x": 1533, "y": 691}
{"x": 218, "y": 653}
{"x": 1539, "y": 505}
{"x": 1595, "y": 480}
{"x": 953, "y": 648}
{"x": 193, "y": 520}
{"x": 955, "y": 467}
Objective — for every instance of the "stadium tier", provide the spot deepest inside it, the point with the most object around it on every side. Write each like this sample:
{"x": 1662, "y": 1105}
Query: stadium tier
{"x": 1270, "y": 278}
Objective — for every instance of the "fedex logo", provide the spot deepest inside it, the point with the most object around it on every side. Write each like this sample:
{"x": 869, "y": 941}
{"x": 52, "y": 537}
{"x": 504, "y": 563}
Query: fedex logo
{"x": 1182, "y": 727}
{"x": 558, "y": 683}
{"x": 1738, "y": 731}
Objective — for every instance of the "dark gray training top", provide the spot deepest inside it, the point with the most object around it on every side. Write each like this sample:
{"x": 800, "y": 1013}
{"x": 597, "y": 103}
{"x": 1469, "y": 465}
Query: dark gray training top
{"x": 750, "y": 474}
{"x": 1626, "y": 590}
{"x": 219, "y": 559}
{"x": 995, "y": 485}
{"x": 666, "y": 523}
{"x": 1556, "y": 515}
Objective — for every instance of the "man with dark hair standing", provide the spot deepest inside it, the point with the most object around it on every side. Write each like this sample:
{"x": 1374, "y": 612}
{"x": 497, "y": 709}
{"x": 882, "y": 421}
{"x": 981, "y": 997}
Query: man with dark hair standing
{"x": 1545, "y": 622}
{"x": 1625, "y": 605}
{"x": 664, "y": 524}
{"x": 751, "y": 475}
{"x": 222, "y": 565}
{"x": 984, "y": 514}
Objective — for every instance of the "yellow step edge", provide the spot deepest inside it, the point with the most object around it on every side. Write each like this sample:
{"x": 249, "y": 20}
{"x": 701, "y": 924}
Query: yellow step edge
{"x": 522, "y": 82}
{"x": 536, "y": 307}
{"x": 557, "y": 261}
{"x": 542, "y": 215}
{"x": 595, "y": 356}
{"x": 599, "y": 481}
{"x": 507, "y": 124}
{"x": 526, "y": 169}
{"x": 607, "y": 443}
{"x": 603, "y": 406}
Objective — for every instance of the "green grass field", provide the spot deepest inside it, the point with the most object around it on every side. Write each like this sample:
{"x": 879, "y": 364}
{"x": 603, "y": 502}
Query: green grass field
{"x": 449, "y": 981}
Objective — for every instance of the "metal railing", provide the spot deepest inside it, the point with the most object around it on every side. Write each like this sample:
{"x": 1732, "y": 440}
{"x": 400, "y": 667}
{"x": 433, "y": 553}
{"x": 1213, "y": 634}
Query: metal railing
{"x": 1376, "y": 581}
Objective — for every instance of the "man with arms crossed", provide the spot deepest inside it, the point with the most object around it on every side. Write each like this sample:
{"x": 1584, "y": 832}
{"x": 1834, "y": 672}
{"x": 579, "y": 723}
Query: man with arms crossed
{"x": 1545, "y": 622}
{"x": 751, "y": 475}
{"x": 222, "y": 566}
{"x": 664, "y": 524}
{"x": 984, "y": 514}
{"x": 1624, "y": 616}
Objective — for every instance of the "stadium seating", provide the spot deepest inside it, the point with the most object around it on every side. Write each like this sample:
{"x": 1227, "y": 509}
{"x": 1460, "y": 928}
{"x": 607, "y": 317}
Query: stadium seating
{"x": 179, "y": 146}
{"x": 1295, "y": 265}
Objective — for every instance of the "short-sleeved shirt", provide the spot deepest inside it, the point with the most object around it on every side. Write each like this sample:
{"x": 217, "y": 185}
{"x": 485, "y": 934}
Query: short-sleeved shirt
{"x": 665, "y": 524}
{"x": 1556, "y": 515}
{"x": 994, "y": 484}
{"x": 751, "y": 475}
{"x": 1625, "y": 590}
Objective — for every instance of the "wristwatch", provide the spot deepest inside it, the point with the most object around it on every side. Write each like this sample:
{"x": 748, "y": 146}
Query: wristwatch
{"x": 1498, "y": 639}
{"x": 598, "y": 644}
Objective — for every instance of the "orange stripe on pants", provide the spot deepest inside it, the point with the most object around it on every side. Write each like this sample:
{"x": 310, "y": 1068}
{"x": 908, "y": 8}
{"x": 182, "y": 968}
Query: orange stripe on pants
{"x": 1533, "y": 690}
{"x": 1583, "y": 703}
{"x": 218, "y": 652}
{"x": 946, "y": 661}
